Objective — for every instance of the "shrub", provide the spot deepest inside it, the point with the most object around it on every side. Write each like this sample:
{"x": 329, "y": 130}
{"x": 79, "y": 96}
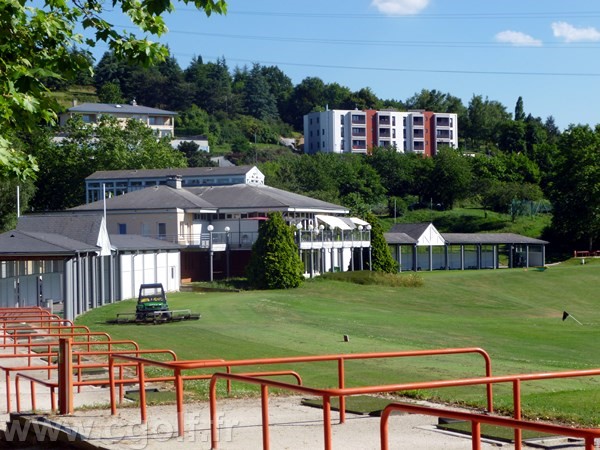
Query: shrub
{"x": 364, "y": 277}
{"x": 275, "y": 263}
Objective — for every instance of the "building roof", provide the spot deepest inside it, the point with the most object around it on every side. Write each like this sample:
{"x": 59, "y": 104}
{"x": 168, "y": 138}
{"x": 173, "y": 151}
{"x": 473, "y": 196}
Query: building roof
{"x": 133, "y": 242}
{"x": 118, "y": 108}
{"x": 154, "y": 197}
{"x": 83, "y": 228}
{"x": 247, "y": 197}
{"x": 212, "y": 199}
{"x": 414, "y": 230}
{"x": 399, "y": 238}
{"x": 163, "y": 173}
{"x": 22, "y": 243}
{"x": 489, "y": 238}
{"x": 409, "y": 233}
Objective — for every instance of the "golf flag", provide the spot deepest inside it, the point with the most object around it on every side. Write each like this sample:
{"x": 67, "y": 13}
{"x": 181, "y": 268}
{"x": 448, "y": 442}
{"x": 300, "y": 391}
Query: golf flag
{"x": 566, "y": 315}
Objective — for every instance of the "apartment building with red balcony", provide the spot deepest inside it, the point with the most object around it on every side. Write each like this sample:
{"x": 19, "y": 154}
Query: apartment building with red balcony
{"x": 356, "y": 131}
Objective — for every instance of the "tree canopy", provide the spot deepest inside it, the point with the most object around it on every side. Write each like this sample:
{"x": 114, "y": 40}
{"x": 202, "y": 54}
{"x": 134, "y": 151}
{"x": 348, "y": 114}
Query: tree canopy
{"x": 37, "y": 43}
{"x": 64, "y": 165}
{"x": 575, "y": 189}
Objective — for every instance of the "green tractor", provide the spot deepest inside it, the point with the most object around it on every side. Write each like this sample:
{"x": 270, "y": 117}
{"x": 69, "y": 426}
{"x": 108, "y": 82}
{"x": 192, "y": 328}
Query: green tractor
{"x": 152, "y": 307}
{"x": 152, "y": 304}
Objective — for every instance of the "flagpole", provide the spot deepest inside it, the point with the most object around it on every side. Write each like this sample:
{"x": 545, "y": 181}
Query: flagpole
{"x": 104, "y": 200}
{"x": 566, "y": 315}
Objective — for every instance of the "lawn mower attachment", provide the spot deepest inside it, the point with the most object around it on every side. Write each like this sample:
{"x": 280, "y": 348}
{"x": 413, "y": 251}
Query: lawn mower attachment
{"x": 152, "y": 308}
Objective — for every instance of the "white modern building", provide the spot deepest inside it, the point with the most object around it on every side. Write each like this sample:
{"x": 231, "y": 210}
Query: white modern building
{"x": 355, "y": 131}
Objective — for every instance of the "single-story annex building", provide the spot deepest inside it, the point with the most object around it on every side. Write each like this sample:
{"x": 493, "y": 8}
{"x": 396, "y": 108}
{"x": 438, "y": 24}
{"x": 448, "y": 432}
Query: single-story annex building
{"x": 421, "y": 247}
{"x": 71, "y": 259}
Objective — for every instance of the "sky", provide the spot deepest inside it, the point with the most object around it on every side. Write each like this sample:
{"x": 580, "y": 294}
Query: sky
{"x": 545, "y": 51}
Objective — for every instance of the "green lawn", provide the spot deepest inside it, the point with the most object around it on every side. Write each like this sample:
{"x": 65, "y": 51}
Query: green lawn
{"x": 515, "y": 315}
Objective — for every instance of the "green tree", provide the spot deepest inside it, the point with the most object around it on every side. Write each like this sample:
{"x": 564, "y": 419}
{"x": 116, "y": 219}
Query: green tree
{"x": 519, "y": 110}
{"x": 451, "y": 178}
{"x": 308, "y": 95}
{"x": 338, "y": 96}
{"x": 259, "y": 101}
{"x": 381, "y": 258}
{"x": 8, "y": 200}
{"x": 195, "y": 157}
{"x": 434, "y": 100}
{"x": 511, "y": 136}
{"x": 574, "y": 189}
{"x": 64, "y": 165}
{"x": 275, "y": 263}
{"x": 280, "y": 85}
{"x": 364, "y": 98}
{"x": 110, "y": 93}
{"x": 501, "y": 196}
{"x": 36, "y": 41}
{"x": 211, "y": 86}
{"x": 480, "y": 130}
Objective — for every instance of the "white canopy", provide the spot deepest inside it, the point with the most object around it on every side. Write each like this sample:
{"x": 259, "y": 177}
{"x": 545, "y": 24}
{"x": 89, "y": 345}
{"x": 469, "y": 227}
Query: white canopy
{"x": 358, "y": 221}
{"x": 333, "y": 222}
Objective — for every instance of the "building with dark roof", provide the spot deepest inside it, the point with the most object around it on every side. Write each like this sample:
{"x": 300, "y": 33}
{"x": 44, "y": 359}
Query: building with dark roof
{"x": 117, "y": 182}
{"x": 159, "y": 120}
{"x": 421, "y": 247}
{"x": 71, "y": 259}
{"x": 217, "y": 225}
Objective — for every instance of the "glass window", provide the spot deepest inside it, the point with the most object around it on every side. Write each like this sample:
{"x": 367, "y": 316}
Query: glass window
{"x": 162, "y": 230}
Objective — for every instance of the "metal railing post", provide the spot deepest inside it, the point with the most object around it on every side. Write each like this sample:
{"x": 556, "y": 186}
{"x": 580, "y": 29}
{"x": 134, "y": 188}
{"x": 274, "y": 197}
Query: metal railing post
{"x": 65, "y": 376}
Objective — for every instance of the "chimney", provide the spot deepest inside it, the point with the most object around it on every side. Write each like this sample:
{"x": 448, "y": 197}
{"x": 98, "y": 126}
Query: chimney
{"x": 174, "y": 181}
{"x": 74, "y": 102}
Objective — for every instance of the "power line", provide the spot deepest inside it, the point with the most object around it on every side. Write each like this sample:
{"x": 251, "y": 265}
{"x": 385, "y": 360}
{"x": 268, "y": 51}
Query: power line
{"x": 417, "y": 70}
{"x": 392, "y": 69}
{"x": 423, "y": 16}
{"x": 362, "y": 42}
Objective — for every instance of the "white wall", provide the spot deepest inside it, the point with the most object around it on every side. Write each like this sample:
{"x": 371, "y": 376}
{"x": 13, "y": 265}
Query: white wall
{"x": 146, "y": 268}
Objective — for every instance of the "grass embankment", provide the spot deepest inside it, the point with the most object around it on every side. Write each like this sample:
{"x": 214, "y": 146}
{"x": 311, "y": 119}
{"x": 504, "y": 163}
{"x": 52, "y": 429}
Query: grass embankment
{"x": 475, "y": 220}
{"x": 514, "y": 314}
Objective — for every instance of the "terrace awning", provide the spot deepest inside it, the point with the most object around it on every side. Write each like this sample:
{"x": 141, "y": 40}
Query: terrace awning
{"x": 333, "y": 222}
{"x": 358, "y": 221}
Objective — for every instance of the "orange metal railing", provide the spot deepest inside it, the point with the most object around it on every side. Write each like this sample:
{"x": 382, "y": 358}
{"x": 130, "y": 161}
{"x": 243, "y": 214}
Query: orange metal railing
{"x": 257, "y": 378}
{"x": 587, "y": 434}
{"x": 79, "y": 367}
{"x": 327, "y": 394}
{"x": 16, "y": 333}
{"x": 179, "y": 366}
{"x": 178, "y": 378}
{"x": 9, "y": 369}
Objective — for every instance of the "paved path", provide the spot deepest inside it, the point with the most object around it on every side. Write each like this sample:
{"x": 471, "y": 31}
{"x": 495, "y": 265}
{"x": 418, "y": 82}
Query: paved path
{"x": 292, "y": 426}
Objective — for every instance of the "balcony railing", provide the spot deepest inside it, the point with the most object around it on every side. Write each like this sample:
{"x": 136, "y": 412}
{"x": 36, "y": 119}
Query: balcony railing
{"x": 306, "y": 239}
{"x": 337, "y": 238}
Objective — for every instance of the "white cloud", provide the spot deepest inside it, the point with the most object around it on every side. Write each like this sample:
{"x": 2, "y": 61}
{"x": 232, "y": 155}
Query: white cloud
{"x": 400, "y": 7}
{"x": 518, "y": 39}
{"x": 571, "y": 34}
